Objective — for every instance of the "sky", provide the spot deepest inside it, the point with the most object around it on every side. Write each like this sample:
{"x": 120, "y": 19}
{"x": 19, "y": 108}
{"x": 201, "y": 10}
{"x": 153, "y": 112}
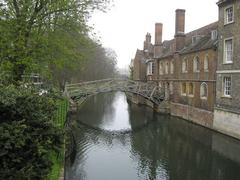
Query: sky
{"x": 124, "y": 26}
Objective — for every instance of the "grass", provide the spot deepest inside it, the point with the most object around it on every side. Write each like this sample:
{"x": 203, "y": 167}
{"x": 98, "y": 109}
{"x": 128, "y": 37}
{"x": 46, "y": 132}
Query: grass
{"x": 58, "y": 159}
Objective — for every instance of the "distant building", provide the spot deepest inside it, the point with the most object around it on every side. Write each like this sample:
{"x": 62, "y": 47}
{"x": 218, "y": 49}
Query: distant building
{"x": 227, "y": 109}
{"x": 139, "y": 63}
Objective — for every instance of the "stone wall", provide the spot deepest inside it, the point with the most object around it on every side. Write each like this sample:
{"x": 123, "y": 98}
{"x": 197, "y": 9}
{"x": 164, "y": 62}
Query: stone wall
{"x": 227, "y": 122}
{"x": 192, "y": 114}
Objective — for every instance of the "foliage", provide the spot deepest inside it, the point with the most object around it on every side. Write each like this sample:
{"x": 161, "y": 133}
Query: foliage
{"x": 46, "y": 36}
{"x": 58, "y": 158}
{"x": 27, "y": 133}
{"x": 102, "y": 64}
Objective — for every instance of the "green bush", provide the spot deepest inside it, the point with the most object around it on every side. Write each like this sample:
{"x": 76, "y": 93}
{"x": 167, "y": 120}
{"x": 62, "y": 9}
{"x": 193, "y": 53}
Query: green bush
{"x": 28, "y": 134}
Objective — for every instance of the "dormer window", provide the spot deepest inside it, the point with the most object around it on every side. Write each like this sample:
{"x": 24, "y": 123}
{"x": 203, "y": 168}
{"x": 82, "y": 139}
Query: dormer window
{"x": 228, "y": 15}
{"x": 195, "y": 39}
{"x": 214, "y": 34}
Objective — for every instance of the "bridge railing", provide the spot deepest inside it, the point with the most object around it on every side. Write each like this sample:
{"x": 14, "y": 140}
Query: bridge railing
{"x": 84, "y": 89}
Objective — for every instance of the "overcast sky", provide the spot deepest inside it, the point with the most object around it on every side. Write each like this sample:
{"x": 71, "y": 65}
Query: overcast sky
{"x": 124, "y": 27}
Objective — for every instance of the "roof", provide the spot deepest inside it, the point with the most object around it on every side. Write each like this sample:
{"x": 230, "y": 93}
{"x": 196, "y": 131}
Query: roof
{"x": 204, "y": 42}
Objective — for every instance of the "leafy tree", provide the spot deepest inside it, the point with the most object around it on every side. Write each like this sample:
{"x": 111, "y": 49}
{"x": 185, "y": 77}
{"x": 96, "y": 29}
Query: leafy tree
{"x": 101, "y": 65}
{"x": 27, "y": 133}
{"x": 28, "y": 26}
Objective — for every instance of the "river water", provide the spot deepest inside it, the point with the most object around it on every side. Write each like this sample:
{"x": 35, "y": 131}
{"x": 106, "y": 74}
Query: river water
{"x": 118, "y": 140}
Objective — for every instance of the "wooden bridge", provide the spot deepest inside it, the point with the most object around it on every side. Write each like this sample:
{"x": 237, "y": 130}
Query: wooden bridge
{"x": 79, "y": 92}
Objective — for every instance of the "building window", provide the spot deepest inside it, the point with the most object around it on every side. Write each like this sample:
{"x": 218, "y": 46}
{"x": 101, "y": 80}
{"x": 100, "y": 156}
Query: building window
{"x": 161, "y": 68}
{"x": 196, "y": 38}
{"x": 190, "y": 89}
{"x": 196, "y": 64}
{"x": 228, "y": 51}
{"x": 206, "y": 61}
{"x": 214, "y": 34}
{"x": 228, "y": 15}
{"x": 153, "y": 67}
{"x": 160, "y": 85}
{"x": 227, "y": 86}
{"x": 184, "y": 89}
{"x": 171, "y": 67}
{"x": 203, "y": 91}
{"x": 171, "y": 87}
{"x": 184, "y": 65}
{"x": 150, "y": 68}
{"x": 166, "y": 67}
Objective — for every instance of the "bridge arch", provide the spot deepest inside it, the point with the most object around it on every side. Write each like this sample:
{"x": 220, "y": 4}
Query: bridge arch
{"x": 79, "y": 92}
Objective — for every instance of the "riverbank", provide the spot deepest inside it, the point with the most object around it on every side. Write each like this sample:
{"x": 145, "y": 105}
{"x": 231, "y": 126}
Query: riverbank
{"x": 57, "y": 170}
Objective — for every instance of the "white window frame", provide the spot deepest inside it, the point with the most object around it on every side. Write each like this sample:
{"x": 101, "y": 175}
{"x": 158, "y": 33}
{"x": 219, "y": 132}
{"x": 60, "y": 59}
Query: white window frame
{"x": 226, "y": 17}
{"x": 214, "y": 34}
{"x": 149, "y": 67}
{"x": 206, "y": 63}
{"x": 225, "y": 61}
{"x": 229, "y": 84}
{"x": 191, "y": 95}
{"x": 153, "y": 68}
{"x": 182, "y": 93}
{"x": 184, "y": 65}
{"x": 172, "y": 67}
{"x": 160, "y": 68}
{"x": 171, "y": 87}
{"x": 167, "y": 68}
{"x": 201, "y": 90}
{"x": 195, "y": 65}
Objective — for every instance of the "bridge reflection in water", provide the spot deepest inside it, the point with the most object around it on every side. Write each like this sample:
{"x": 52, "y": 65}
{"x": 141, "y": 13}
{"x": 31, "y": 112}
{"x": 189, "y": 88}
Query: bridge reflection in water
{"x": 157, "y": 147}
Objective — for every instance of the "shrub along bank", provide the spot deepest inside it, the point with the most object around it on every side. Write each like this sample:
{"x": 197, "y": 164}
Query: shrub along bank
{"x": 31, "y": 133}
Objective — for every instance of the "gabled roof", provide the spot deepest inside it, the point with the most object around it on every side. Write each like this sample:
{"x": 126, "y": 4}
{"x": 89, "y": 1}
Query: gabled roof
{"x": 204, "y": 42}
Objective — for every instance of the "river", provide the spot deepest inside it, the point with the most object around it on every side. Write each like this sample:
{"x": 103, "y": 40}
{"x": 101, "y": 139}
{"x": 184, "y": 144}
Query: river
{"x": 119, "y": 140}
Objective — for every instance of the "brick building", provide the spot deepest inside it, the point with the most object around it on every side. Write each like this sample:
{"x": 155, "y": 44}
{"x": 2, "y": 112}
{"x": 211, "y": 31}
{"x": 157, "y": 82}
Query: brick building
{"x": 227, "y": 108}
{"x": 139, "y": 63}
{"x": 186, "y": 67}
{"x": 200, "y": 70}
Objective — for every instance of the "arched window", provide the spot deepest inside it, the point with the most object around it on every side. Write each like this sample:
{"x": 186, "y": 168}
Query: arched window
{"x": 171, "y": 67}
{"x": 184, "y": 89}
{"x": 196, "y": 64}
{"x": 203, "y": 91}
{"x": 153, "y": 67}
{"x": 184, "y": 65}
{"x": 160, "y": 84}
{"x": 166, "y": 67}
{"x": 206, "y": 63}
{"x": 171, "y": 87}
{"x": 161, "y": 68}
{"x": 190, "y": 89}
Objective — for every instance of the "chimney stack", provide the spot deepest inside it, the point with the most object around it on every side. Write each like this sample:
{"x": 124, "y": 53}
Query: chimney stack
{"x": 147, "y": 42}
{"x": 158, "y": 33}
{"x": 180, "y": 29}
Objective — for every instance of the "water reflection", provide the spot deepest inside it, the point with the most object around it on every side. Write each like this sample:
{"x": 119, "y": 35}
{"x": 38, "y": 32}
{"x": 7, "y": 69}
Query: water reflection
{"x": 159, "y": 147}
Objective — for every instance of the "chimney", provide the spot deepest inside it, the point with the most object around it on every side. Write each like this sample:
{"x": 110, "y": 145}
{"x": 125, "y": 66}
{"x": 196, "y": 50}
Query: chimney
{"x": 180, "y": 29}
{"x": 158, "y": 33}
{"x": 147, "y": 42}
